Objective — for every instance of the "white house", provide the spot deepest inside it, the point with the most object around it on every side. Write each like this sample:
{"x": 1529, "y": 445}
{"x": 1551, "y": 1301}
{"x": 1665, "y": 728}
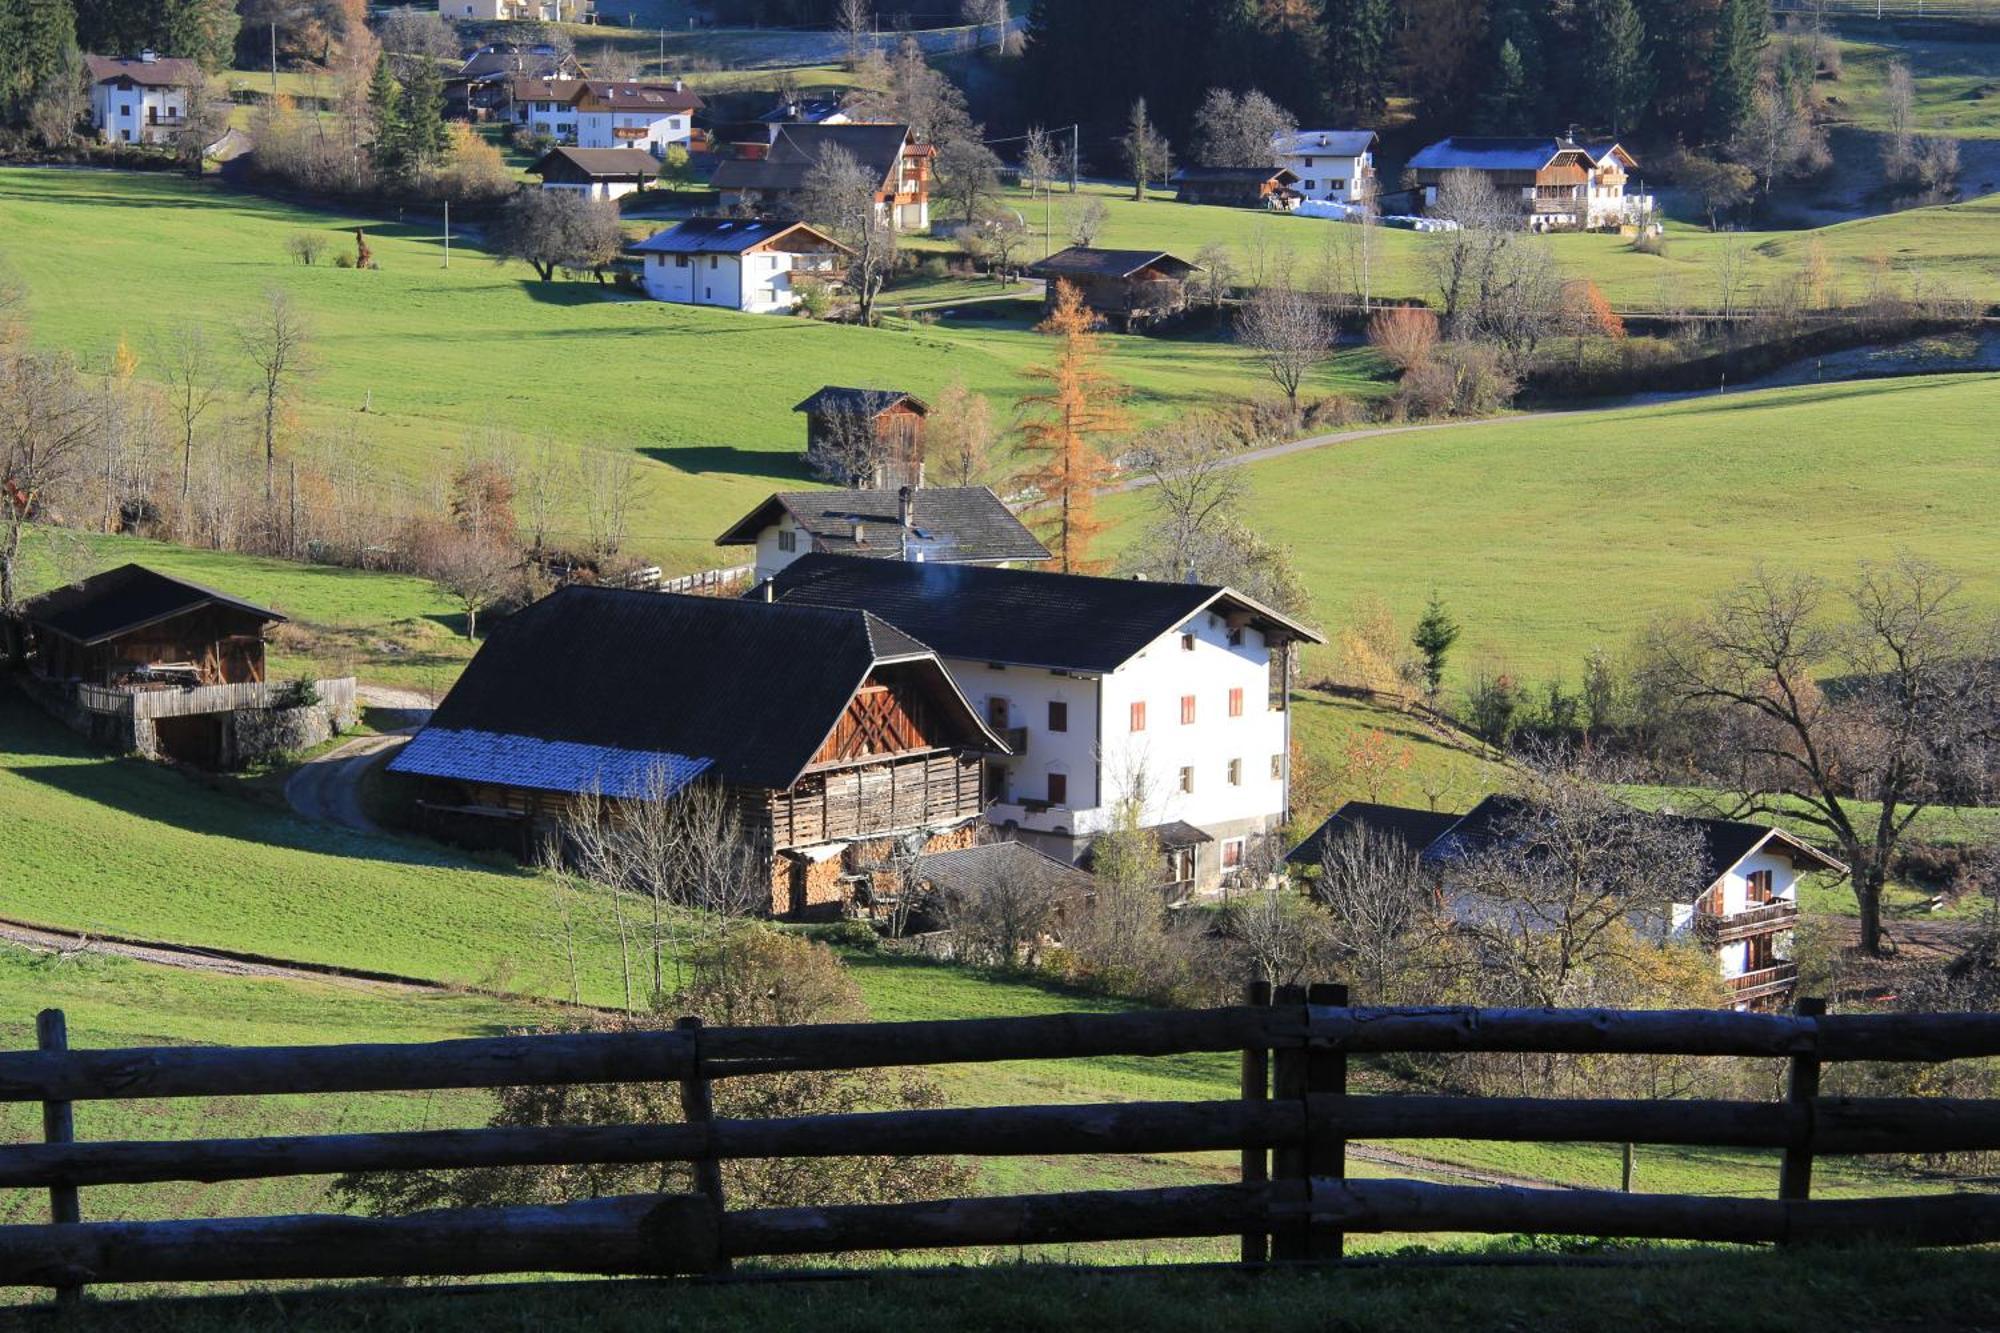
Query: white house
{"x": 1333, "y": 166}
{"x": 597, "y": 173}
{"x": 1562, "y": 184}
{"x": 1744, "y": 904}
{"x": 143, "y": 99}
{"x": 957, "y": 525}
{"x": 736, "y": 264}
{"x": 1107, "y": 691}
{"x": 598, "y": 113}
{"x": 528, "y": 11}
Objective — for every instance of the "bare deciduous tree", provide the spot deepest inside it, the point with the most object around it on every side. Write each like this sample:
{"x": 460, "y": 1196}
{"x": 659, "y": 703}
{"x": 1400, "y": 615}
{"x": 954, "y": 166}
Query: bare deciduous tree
{"x": 1147, "y": 154}
{"x": 279, "y": 345}
{"x": 1290, "y": 333}
{"x": 46, "y": 428}
{"x": 558, "y": 229}
{"x": 1195, "y": 496}
{"x": 607, "y": 487}
{"x": 1239, "y": 131}
{"x": 839, "y": 195}
{"x": 959, "y": 436}
{"x": 1086, "y": 220}
{"x": 1381, "y": 914}
{"x": 194, "y": 386}
{"x": 473, "y": 569}
{"x": 854, "y": 20}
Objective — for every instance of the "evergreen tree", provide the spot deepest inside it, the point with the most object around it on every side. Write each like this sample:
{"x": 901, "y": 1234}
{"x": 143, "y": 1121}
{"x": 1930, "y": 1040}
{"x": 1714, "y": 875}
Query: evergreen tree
{"x": 390, "y": 149}
{"x": 1358, "y": 55}
{"x": 1742, "y": 28}
{"x": 1506, "y": 107}
{"x": 1518, "y": 99}
{"x": 201, "y": 30}
{"x": 1680, "y": 35}
{"x": 1434, "y": 636}
{"x": 37, "y": 50}
{"x": 426, "y": 137}
{"x": 1621, "y": 70}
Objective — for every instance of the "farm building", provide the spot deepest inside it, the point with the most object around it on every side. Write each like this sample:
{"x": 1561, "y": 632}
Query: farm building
{"x": 603, "y": 113}
{"x": 1107, "y": 690}
{"x": 597, "y": 173}
{"x": 958, "y": 525}
{"x": 1332, "y": 166}
{"x": 155, "y": 665}
{"x": 1743, "y": 903}
{"x": 872, "y": 437}
{"x": 1560, "y": 184}
{"x": 773, "y": 180}
{"x": 996, "y": 871}
{"x": 1238, "y": 187}
{"x": 832, "y": 733}
{"x": 750, "y": 266}
{"x": 1129, "y": 288}
{"x": 143, "y": 99}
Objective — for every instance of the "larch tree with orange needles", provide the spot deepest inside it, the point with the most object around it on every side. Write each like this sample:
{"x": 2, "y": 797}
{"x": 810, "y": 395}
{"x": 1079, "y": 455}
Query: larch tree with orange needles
{"x": 1061, "y": 427}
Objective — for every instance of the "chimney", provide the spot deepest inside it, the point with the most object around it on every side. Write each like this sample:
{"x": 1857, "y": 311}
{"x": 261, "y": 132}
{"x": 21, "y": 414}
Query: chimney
{"x": 148, "y": 57}
{"x": 679, "y": 86}
{"x": 860, "y": 533}
{"x": 770, "y": 590}
{"x": 906, "y": 500}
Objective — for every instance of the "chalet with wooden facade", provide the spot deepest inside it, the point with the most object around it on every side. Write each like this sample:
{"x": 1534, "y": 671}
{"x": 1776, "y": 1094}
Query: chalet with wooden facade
{"x": 737, "y": 263}
{"x": 832, "y": 732}
{"x": 772, "y": 178}
{"x": 1275, "y": 188}
{"x": 958, "y": 525}
{"x": 1174, "y": 695}
{"x": 155, "y": 665}
{"x": 1743, "y": 904}
{"x": 481, "y": 87}
{"x": 1561, "y": 184}
{"x": 1129, "y": 288}
{"x": 597, "y": 173}
{"x": 881, "y": 429}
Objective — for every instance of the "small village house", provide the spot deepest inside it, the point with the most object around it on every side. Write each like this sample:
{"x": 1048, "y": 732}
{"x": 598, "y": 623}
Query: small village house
{"x": 1170, "y": 696}
{"x": 150, "y": 664}
{"x": 517, "y": 11}
{"x": 1561, "y": 184}
{"x": 882, "y": 425}
{"x": 1128, "y": 288}
{"x": 747, "y": 265}
{"x": 775, "y": 180}
{"x": 1274, "y": 188}
{"x": 602, "y": 113}
{"x": 142, "y": 99}
{"x": 832, "y": 733}
{"x": 1332, "y": 166}
{"x": 1743, "y": 906}
{"x": 481, "y": 86}
{"x": 959, "y": 525}
{"x": 597, "y": 173}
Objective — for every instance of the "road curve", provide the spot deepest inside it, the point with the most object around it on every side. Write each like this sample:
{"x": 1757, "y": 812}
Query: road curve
{"x": 327, "y": 787}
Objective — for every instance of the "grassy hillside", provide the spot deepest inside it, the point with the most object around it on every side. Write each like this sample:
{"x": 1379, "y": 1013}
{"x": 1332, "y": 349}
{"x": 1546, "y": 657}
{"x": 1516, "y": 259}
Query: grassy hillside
{"x": 1956, "y": 85}
{"x": 1548, "y": 535}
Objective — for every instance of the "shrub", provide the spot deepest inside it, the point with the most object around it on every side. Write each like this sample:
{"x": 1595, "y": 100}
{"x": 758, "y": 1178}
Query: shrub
{"x": 1493, "y": 708}
{"x": 300, "y": 693}
{"x": 1404, "y": 336}
{"x": 934, "y": 267}
{"x": 305, "y": 246}
{"x": 815, "y": 298}
{"x": 342, "y": 259}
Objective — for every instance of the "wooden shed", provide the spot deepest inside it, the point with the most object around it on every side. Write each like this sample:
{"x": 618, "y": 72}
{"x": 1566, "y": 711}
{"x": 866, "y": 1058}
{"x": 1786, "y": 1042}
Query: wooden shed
{"x": 868, "y": 437}
{"x": 1129, "y": 288}
{"x": 1239, "y": 187}
{"x": 134, "y": 625}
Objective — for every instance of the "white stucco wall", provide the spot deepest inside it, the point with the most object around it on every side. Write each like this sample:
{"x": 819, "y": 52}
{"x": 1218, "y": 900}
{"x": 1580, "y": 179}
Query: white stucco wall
{"x": 1317, "y": 173}
{"x": 1735, "y": 898}
{"x": 123, "y": 115}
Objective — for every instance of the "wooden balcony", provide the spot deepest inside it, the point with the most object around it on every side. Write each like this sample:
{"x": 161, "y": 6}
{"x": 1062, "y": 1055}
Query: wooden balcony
{"x": 1763, "y": 985}
{"x": 1766, "y": 919}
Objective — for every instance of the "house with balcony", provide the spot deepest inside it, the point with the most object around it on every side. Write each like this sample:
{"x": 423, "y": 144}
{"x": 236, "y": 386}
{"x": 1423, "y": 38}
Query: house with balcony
{"x": 145, "y": 663}
{"x": 770, "y": 177}
{"x": 835, "y": 737}
{"x": 739, "y": 264}
{"x": 141, "y": 99}
{"x": 1559, "y": 184}
{"x": 606, "y": 113}
{"x": 1742, "y": 904}
{"x": 1112, "y": 694}
{"x": 1331, "y": 166}
{"x": 955, "y": 525}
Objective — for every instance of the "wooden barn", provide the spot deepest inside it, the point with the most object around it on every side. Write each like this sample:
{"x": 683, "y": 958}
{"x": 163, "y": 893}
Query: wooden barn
{"x": 132, "y": 625}
{"x": 835, "y": 735}
{"x": 872, "y": 437}
{"x": 1129, "y": 288}
{"x": 1274, "y": 188}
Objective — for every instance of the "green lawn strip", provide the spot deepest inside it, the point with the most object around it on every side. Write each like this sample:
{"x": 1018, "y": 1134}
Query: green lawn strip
{"x": 1955, "y": 85}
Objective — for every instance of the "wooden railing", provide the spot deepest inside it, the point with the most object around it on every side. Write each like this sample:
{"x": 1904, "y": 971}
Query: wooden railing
{"x": 1763, "y": 982}
{"x": 188, "y": 701}
{"x": 1769, "y": 918}
{"x": 1290, "y": 1126}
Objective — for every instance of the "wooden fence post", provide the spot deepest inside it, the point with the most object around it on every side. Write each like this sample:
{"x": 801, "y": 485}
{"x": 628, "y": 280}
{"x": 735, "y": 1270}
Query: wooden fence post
{"x": 1256, "y": 1169}
{"x": 1288, "y": 1165}
{"x": 698, "y": 1108}
{"x": 1795, "y": 1176}
{"x": 59, "y": 1126}
{"x": 1326, "y": 1154}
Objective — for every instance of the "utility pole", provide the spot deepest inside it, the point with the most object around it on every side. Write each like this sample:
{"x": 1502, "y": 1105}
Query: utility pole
{"x": 447, "y": 233}
{"x": 1075, "y": 133}
{"x": 274, "y": 59}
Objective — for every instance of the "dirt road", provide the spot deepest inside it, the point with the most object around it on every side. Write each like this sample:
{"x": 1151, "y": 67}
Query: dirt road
{"x": 327, "y": 788}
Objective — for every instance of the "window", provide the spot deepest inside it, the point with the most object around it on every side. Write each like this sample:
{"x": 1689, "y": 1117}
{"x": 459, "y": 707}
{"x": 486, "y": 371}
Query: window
{"x": 996, "y": 712}
{"x": 1757, "y": 887}
{"x": 1058, "y": 789}
{"x": 1312, "y": 185}
{"x": 1236, "y": 772}
{"x": 1236, "y": 702}
{"x": 1336, "y": 185}
{"x": 1187, "y": 710}
{"x": 1187, "y": 780}
{"x": 1139, "y": 716}
{"x": 1232, "y": 854}
{"x": 1187, "y": 643}
{"x": 680, "y": 261}
{"x": 125, "y": 109}
{"x": 1277, "y": 768}
{"x": 788, "y": 540}
{"x": 1236, "y": 637}
{"x": 714, "y": 262}
{"x": 1309, "y": 162}
{"x": 1058, "y": 715}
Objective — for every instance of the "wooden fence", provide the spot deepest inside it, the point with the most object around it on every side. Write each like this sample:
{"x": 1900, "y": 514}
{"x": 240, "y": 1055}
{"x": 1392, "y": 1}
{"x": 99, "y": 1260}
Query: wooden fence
{"x": 1290, "y": 1123}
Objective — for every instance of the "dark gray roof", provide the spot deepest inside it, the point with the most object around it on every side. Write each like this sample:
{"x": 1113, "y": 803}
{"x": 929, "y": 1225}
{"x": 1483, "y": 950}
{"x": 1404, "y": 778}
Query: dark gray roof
{"x": 159, "y": 72}
{"x": 602, "y": 162}
{"x": 1176, "y": 834}
{"x": 975, "y": 870}
{"x": 868, "y": 402}
{"x": 1464, "y": 152}
{"x": 878, "y": 148}
{"x": 725, "y": 236}
{"x": 508, "y": 58}
{"x": 807, "y": 111}
{"x": 752, "y": 689}
{"x": 120, "y": 600}
{"x": 1086, "y": 262}
{"x": 1334, "y": 143}
{"x": 1415, "y": 829}
{"x": 956, "y": 524}
{"x": 1067, "y": 622}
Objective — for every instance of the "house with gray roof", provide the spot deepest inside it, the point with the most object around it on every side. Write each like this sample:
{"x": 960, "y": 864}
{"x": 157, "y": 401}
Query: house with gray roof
{"x": 956, "y": 525}
{"x": 1128, "y": 288}
{"x": 1558, "y": 183}
{"x": 140, "y": 99}
{"x": 746, "y": 264}
{"x": 771, "y": 177}
{"x": 1332, "y": 166}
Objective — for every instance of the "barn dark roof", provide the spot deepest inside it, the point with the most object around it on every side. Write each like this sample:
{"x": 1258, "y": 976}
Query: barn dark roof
{"x": 1467, "y": 152}
{"x": 748, "y": 690}
{"x": 1068, "y": 622}
{"x": 609, "y": 163}
{"x": 1084, "y": 262}
{"x": 159, "y": 72}
{"x": 996, "y": 865}
{"x": 797, "y": 148}
{"x": 956, "y": 524}
{"x": 868, "y": 402}
{"x": 720, "y": 236}
{"x": 1415, "y": 829}
{"x": 124, "y": 599}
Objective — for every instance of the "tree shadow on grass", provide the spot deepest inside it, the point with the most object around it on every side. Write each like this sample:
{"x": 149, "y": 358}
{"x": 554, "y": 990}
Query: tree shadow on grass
{"x": 731, "y": 460}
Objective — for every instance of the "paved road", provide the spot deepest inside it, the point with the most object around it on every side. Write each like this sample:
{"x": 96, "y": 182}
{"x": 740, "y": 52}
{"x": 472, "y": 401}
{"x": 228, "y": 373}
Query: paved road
{"x": 327, "y": 788}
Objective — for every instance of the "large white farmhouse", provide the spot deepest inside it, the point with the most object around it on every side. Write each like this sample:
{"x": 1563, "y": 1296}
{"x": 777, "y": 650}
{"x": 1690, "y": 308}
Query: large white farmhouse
{"x": 736, "y": 264}
{"x": 143, "y": 99}
{"x": 1107, "y": 691}
{"x": 1332, "y": 166}
{"x": 599, "y": 113}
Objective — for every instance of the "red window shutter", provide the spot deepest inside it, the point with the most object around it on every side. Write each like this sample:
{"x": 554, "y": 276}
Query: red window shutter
{"x": 1236, "y": 702}
{"x": 1139, "y": 716}
{"x": 1187, "y": 710}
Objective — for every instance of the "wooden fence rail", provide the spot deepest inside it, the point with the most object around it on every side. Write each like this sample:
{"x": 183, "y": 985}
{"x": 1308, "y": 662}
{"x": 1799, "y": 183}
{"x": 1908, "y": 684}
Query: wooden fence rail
{"x": 1289, "y": 1128}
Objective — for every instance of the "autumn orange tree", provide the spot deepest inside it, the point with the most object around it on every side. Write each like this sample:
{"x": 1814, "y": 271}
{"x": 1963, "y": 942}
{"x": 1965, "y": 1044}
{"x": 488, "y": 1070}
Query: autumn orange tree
{"x": 1060, "y": 429}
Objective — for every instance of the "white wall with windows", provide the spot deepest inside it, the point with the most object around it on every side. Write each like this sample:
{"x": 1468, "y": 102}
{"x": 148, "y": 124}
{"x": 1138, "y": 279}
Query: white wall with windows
{"x": 128, "y": 112}
{"x": 758, "y": 282}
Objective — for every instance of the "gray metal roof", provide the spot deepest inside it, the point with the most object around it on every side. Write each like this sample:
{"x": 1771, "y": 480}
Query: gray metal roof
{"x": 797, "y": 149}
{"x": 614, "y": 163}
{"x": 1468, "y": 153}
{"x": 718, "y": 236}
{"x": 1334, "y": 143}
{"x": 995, "y": 865}
{"x": 967, "y": 525}
{"x": 542, "y": 765}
